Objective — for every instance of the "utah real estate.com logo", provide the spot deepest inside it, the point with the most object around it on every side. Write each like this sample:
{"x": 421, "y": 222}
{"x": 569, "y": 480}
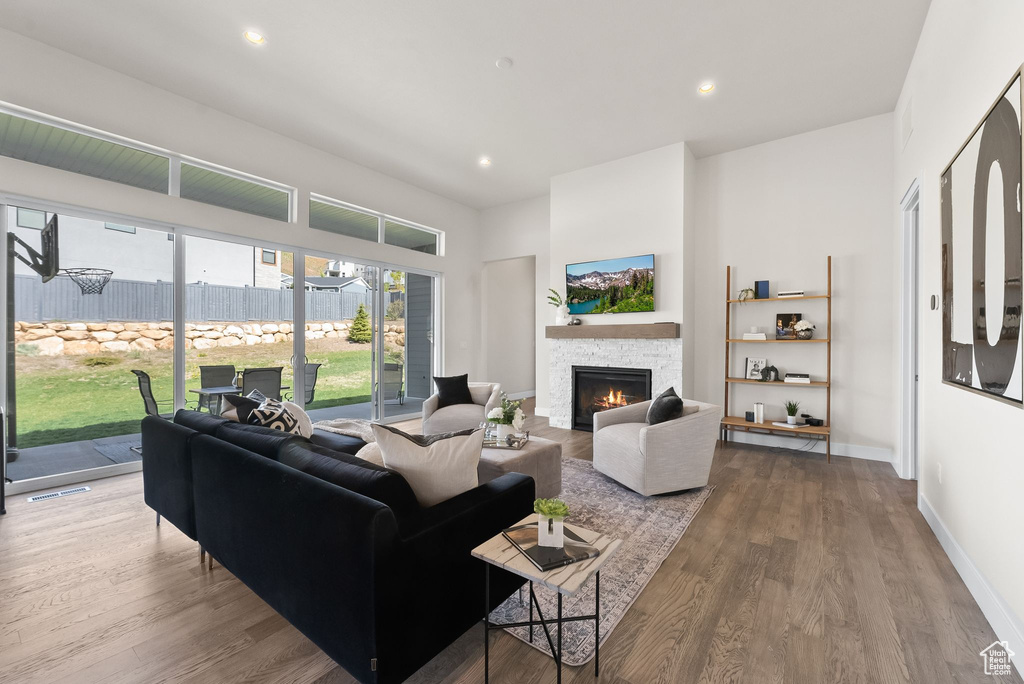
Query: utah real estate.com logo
{"x": 997, "y": 658}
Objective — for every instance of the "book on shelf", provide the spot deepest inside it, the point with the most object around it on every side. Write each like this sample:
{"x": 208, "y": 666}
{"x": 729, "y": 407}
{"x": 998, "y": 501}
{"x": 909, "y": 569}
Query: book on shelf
{"x": 788, "y": 294}
{"x": 781, "y": 424}
{"x": 755, "y": 336}
{"x": 799, "y": 378}
{"x": 575, "y": 549}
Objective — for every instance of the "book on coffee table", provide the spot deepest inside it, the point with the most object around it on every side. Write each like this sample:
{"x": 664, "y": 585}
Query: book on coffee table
{"x": 524, "y": 538}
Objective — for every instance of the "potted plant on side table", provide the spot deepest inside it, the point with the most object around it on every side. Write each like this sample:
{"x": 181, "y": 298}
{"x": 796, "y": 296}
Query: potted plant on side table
{"x": 551, "y": 514}
{"x": 792, "y": 407}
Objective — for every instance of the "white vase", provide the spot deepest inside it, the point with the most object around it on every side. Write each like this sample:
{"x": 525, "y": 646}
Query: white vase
{"x": 791, "y": 420}
{"x": 562, "y": 315}
{"x": 504, "y": 431}
{"x": 549, "y": 531}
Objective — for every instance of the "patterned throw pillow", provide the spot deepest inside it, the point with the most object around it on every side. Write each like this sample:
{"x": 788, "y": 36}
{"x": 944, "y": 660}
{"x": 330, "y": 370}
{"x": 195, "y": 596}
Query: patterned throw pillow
{"x": 273, "y": 414}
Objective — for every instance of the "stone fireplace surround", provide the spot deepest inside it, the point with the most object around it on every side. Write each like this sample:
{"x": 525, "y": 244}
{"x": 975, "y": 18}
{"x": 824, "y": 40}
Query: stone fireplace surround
{"x": 664, "y": 357}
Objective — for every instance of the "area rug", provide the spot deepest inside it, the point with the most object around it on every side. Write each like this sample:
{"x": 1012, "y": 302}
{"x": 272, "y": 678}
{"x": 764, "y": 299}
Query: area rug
{"x": 120, "y": 452}
{"x": 650, "y": 528}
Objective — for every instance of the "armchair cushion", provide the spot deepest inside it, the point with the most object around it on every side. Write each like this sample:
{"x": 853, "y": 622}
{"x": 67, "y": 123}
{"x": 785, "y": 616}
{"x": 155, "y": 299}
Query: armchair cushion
{"x": 668, "y": 406}
{"x": 453, "y": 418}
{"x": 453, "y": 390}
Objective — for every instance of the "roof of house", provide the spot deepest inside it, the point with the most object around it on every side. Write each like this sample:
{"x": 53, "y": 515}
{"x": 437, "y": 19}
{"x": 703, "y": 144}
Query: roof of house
{"x": 333, "y": 281}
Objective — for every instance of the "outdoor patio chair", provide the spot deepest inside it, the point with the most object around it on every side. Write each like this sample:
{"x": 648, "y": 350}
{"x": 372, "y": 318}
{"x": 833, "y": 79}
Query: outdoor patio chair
{"x": 266, "y": 380}
{"x": 151, "y": 404}
{"x": 312, "y": 369}
{"x": 214, "y": 376}
{"x": 394, "y": 383}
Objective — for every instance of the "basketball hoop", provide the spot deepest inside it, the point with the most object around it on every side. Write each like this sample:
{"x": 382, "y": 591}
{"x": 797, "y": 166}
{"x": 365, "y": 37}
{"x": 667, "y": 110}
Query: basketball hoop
{"x": 90, "y": 280}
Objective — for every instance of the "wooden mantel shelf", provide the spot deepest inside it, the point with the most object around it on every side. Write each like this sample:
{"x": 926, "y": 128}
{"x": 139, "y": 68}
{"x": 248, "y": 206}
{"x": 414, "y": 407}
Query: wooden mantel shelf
{"x": 644, "y": 331}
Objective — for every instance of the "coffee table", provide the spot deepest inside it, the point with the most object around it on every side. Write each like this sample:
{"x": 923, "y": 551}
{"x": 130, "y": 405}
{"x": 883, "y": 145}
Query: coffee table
{"x": 567, "y": 580}
{"x": 539, "y": 458}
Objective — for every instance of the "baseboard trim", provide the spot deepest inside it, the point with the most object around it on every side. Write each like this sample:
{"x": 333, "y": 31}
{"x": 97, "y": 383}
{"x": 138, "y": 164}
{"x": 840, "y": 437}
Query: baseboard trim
{"x": 816, "y": 446}
{"x": 1006, "y": 625}
{"x": 522, "y": 395}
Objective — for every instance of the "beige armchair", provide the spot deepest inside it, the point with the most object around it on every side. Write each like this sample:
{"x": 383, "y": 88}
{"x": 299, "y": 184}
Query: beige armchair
{"x": 486, "y": 395}
{"x": 654, "y": 459}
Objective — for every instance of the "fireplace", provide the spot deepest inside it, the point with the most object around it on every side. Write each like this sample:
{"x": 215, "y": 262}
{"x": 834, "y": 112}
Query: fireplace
{"x": 595, "y": 389}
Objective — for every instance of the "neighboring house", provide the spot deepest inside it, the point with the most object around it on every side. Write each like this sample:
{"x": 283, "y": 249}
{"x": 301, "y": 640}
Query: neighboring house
{"x": 336, "y": 284}
{"x": 148, "y": 255}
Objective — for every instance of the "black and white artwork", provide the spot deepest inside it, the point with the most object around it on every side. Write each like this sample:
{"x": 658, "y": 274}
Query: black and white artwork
{"x": 980, "y": 192}
{"x": 754, "y": 368}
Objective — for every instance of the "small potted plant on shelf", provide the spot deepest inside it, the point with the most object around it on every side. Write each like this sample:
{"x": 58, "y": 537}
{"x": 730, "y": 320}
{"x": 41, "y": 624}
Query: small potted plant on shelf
{"x": 804, "y": 329}
{"x": 508, "y": 417}
{"x": 792, "y": 407}
{"x": 561, "y": 308}
{"x": 550, "y": 516}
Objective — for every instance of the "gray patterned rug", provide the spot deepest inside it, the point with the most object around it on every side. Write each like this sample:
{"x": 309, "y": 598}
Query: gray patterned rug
{"x": 650, "y": 527}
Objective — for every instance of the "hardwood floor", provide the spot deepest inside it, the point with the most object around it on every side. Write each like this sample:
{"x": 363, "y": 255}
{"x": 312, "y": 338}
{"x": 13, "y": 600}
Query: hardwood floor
{"x": 794, "y": 571}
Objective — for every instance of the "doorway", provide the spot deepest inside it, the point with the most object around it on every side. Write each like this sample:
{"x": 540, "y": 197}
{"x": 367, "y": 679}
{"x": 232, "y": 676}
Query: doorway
{"x": 910, "y": 213}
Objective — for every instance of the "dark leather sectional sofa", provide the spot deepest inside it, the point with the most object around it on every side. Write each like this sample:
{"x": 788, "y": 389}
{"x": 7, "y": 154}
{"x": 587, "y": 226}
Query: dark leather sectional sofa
{"x": 339, "y": 547}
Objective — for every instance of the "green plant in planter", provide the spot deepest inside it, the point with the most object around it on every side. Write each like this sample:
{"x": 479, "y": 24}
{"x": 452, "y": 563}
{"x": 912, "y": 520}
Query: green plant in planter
{"x": 555, "y": 299}
{"x": 792, "y": 407}
{"x": 551, "y": 508}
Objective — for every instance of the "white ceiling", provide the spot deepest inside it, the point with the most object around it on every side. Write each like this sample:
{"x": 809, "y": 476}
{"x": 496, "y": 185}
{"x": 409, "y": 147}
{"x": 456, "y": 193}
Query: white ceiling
{"x": 410, "y": 88}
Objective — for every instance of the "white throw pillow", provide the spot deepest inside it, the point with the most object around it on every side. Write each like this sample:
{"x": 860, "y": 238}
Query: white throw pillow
{"x": 481, "y": 392}
{"x": 437, "y": 467}
{"x": 300, "y": 415}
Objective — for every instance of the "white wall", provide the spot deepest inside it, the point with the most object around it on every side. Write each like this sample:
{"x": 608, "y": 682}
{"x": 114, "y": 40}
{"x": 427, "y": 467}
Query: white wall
{"x": 774, "y": 212}
{"x": 522, "y": 229}
{"x": 509, "y": 324}
{"x": 966, "y": 54}
{"x": 59, "y": 84}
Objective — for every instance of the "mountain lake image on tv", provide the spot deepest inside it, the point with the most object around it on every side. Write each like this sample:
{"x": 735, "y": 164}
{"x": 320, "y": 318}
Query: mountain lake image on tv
{"x": 610, "y": 285}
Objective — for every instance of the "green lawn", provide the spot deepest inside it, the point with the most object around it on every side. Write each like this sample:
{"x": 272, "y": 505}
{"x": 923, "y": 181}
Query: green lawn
{"x": 64, "y": 399}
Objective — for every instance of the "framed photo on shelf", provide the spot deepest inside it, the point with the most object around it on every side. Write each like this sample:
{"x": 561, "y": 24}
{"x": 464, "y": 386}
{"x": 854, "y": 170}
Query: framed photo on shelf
{"x": 784, "y": 324}
{"x": 753, "y": 368}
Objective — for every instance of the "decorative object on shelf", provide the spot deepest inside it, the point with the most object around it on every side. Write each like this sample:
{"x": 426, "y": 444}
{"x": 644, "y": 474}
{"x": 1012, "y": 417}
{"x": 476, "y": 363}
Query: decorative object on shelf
{"x": 980, "y": 348}
{"x": 551, "y": 514}
{"x": 754, "y": 367}
{"x": 622, "y": 285}
{"x": 804, "y": 329}
{"x": 759, "y": 412}
{"x": 746, "y": 293}
{"x": 769, "y": 374}
{"x": 750, "y": 416}
{"x": 798, "y": 378}
{"x": 755, "y": 334}
{"x": 785, "y": 325}
{"x": 790, "y": 294}
{"x": 575, "y": 321}
{"x": 508, "y": 417}
{"x": 792, "y": 407}
{"x": 761, "y": 289}
{"x": 561, "y": 310}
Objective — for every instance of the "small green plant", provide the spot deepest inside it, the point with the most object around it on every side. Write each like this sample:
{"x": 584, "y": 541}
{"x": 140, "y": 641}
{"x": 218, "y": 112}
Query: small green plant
{"x": 100, "y": 361}
{"x": 555, "y": 299}
{"x": 27, "y": 349}
{"x": 792, "y": 407}
{"x": 360, "y": 331}
{"x": 395, "y": 311}
{"x": 551, "y": 508}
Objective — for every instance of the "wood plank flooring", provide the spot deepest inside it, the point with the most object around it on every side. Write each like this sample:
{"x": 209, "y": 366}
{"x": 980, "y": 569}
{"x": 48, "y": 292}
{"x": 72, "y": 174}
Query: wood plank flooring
{"x": 794, "y": 571}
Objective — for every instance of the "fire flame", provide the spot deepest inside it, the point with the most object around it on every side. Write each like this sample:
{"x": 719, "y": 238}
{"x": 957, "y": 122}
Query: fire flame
{"x": 614, "y": 398}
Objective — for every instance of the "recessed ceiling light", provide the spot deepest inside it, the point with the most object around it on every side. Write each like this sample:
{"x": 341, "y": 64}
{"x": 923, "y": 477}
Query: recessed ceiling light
{"x": 255, "y": 37}
{"x": 485, "y": 161}
{"x": 504, "y": 63}
{"x": 706, "y": 88}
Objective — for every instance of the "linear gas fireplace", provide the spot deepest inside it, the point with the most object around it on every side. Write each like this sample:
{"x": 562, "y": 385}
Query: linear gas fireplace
{"x": 595, "y": 389}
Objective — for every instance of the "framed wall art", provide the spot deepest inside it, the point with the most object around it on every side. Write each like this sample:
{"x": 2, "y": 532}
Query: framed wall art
{"x": 980, "y": 195}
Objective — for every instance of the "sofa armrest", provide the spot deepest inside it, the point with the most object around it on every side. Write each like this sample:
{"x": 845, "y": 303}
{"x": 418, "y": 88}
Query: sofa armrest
{"x": 454, "y": 527}
{"x": 633, "y": 413}
{"x": 430, "y": 405}
{"x": 494, "y": 400}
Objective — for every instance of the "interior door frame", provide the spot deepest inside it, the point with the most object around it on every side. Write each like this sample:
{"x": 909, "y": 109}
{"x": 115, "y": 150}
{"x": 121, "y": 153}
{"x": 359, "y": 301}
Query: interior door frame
{"x": 910, "y": 274}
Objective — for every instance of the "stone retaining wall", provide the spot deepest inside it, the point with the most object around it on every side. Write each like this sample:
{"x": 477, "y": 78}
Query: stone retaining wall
{"x": 76, "y": 339}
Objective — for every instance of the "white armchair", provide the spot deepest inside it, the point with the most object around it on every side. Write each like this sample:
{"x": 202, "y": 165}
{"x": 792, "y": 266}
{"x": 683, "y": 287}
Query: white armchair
{"x": 486, "y": 395}
{"x": 654, "y": 459}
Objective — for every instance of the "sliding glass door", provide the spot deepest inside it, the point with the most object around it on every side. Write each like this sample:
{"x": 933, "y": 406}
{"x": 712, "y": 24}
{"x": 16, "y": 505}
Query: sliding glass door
{"x": 406, "y": 343}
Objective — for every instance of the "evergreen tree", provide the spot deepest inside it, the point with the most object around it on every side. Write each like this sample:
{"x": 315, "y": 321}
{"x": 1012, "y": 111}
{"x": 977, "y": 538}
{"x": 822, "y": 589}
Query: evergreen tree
{"x": 360, "y": 331}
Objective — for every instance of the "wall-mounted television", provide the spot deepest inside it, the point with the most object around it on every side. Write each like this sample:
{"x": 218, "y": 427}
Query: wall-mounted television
{"x": 623, "y": 285}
